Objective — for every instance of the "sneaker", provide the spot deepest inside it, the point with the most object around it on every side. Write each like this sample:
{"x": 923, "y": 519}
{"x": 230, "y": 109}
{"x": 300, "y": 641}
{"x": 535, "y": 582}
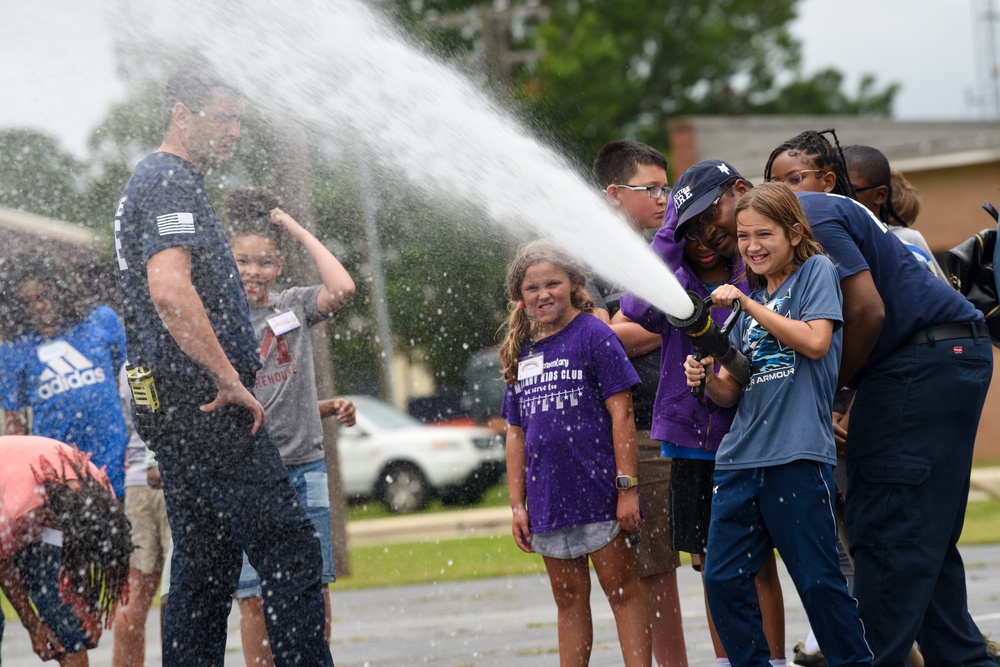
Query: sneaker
{"x": 803, "y": 659}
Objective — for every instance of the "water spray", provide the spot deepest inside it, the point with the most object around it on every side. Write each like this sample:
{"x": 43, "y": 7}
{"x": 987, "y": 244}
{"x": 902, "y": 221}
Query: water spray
{"x": 711, "y": 340}
{"x": 424, "y": 121}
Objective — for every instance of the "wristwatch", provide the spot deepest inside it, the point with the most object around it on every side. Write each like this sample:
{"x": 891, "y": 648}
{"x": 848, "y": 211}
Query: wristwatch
{"x": 625, "y": 482}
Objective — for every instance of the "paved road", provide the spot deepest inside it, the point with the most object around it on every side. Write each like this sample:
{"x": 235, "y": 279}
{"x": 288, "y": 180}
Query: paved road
{"x": 499, "y": 622}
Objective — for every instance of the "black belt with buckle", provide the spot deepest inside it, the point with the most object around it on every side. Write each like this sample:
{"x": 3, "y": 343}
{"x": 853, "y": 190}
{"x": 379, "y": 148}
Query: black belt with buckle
{"x": 948, "y": 332}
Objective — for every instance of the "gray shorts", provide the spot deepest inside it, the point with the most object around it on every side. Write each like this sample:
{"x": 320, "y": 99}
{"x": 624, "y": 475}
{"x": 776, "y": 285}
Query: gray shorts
{"x": 575, "y": 541}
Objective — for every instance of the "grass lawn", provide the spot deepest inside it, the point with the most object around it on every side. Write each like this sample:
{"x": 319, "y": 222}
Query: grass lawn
{"x": 496, "y": 496}
{"x": 982, "y": 523}
{"x": 437, "y": 561}
{"x": 498, "y": 556}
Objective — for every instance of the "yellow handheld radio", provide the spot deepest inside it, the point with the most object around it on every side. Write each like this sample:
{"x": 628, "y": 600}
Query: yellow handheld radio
{"x": 143, "y": 387}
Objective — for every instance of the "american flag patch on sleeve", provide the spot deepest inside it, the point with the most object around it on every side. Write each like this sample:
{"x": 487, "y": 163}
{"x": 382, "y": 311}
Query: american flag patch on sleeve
{"x": 175, "y": 223}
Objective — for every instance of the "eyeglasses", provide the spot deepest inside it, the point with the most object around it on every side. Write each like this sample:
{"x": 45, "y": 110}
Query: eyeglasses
{"x": 653, "y": 191}
{"x": 707, "y": 217}
{"x": 867, "y": 187}
{"x": 793, "y": 179}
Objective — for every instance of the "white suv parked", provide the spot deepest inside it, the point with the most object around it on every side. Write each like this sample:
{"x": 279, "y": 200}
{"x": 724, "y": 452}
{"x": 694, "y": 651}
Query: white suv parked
{"x": 396, "y": 459}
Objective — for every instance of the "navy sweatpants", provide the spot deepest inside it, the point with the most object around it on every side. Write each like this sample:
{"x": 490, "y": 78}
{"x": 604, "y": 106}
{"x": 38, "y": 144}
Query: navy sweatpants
{"x": 789, "y": 507}
{"x": 227, "y": 492}
{"x": 909, "y": 456}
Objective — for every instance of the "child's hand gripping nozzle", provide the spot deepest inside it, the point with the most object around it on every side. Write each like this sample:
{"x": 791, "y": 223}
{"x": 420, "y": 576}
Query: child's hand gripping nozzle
{"x": 710, "y": 340}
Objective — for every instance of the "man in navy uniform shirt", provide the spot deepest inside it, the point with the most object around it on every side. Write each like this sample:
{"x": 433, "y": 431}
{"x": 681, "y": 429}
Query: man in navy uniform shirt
{"x": 187, "y": 319}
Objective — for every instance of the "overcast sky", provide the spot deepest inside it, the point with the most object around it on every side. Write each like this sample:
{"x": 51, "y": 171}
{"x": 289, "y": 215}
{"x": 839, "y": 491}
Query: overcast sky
{"x": 57, "y": 66}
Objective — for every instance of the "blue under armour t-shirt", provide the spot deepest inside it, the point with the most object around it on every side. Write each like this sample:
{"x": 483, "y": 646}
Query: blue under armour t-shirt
{"x": 70, "y": 382}
{"x": 164, "y": 205}
{"x": 786, "y": 412}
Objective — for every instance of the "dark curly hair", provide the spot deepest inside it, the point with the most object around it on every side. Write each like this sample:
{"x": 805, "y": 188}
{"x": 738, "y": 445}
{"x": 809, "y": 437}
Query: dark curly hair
{"x": 248, "y": 213}
{"x": 97, "y": 540}
{"x": 73, "y": 276}
{"x": 821, "y": 153}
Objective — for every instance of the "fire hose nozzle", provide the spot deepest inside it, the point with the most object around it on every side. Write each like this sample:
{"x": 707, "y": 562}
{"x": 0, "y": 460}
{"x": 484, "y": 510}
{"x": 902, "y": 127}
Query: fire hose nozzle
{"x": 710, "y": 340}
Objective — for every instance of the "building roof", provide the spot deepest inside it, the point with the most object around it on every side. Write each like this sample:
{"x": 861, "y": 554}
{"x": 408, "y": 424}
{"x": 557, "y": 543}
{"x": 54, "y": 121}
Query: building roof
{"x": 911, "y": 145}
{"x": 38, "y": 226}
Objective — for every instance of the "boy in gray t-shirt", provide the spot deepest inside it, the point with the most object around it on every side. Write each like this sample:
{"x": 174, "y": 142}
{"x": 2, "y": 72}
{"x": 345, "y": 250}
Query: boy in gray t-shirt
{"x": 286, "y": 383}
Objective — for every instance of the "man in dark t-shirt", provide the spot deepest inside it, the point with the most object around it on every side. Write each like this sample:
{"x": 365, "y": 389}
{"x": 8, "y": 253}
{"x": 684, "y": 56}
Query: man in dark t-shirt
{"x": 187, "y": 320}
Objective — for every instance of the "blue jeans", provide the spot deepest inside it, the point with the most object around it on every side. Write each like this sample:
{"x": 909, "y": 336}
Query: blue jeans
{"x": 790, "y": 507}
{"x": 909, "y": 457}
{"x": 226, "y": 492}
{"x": 310, "y": 482}
{"x": 38, "y": 564}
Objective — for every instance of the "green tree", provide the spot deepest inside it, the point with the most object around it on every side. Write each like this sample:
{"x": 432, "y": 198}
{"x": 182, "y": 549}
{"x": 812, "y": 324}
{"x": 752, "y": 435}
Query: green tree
{"x": 823, "y": 94}
{"x": 614, "y": 67}
{"x": 444, "y": 279}
{"x": 37, "y": 176}
{"x": 588, "y": 71}
{"x": 446, "y": 290}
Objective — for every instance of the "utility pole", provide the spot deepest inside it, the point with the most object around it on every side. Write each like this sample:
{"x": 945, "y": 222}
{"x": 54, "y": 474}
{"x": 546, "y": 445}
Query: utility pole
{"x": 984, "y": 20}
{"x": 294, "y": 180}
{"x": 379, "y": 296}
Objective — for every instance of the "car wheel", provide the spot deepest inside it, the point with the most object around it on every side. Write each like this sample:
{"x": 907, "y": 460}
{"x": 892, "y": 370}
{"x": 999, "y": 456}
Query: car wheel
{"x": 462, "y": 495}
{"x": 404, "y": 488}
{"x": 472, "y": 490}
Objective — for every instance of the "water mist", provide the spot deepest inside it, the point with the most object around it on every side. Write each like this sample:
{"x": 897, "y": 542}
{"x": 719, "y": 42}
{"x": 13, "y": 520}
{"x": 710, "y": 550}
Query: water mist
{"x": 342, "y": 68}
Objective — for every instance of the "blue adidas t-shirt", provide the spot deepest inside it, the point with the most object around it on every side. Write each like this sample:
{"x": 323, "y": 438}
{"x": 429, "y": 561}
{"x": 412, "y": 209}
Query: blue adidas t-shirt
{"x": 856, "y": 241}
{"x": 70, "y": 382}
{"x": 165, "y": 205}
{"x": 786, "y": 412}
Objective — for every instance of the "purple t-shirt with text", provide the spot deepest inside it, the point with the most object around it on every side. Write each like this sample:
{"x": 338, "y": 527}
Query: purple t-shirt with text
{"x": 568, "y": 441}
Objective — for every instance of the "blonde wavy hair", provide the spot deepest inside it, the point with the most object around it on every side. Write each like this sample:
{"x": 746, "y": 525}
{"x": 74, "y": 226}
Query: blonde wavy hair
{"x": 518, "y": 327}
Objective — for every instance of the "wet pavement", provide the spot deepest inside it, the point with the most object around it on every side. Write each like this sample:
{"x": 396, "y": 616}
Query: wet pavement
{"x": 512, "y": 621}
{"x": 504, "y": 621}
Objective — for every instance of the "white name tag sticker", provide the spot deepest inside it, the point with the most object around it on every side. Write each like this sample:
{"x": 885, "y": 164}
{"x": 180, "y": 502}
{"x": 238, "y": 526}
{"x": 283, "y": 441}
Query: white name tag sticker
{"x": 50, "y": 351}
{"x": 52, "y": 536}
{"x": 283, "y": 323}
{"x": 531, "y": 366}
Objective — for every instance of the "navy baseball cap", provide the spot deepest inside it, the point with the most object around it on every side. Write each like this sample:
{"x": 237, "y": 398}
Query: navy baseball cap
{"x": 696, "y": 188}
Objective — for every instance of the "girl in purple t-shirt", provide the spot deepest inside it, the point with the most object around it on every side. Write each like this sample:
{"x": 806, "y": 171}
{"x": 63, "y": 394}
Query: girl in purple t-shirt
{"x": 572, "y": 453}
